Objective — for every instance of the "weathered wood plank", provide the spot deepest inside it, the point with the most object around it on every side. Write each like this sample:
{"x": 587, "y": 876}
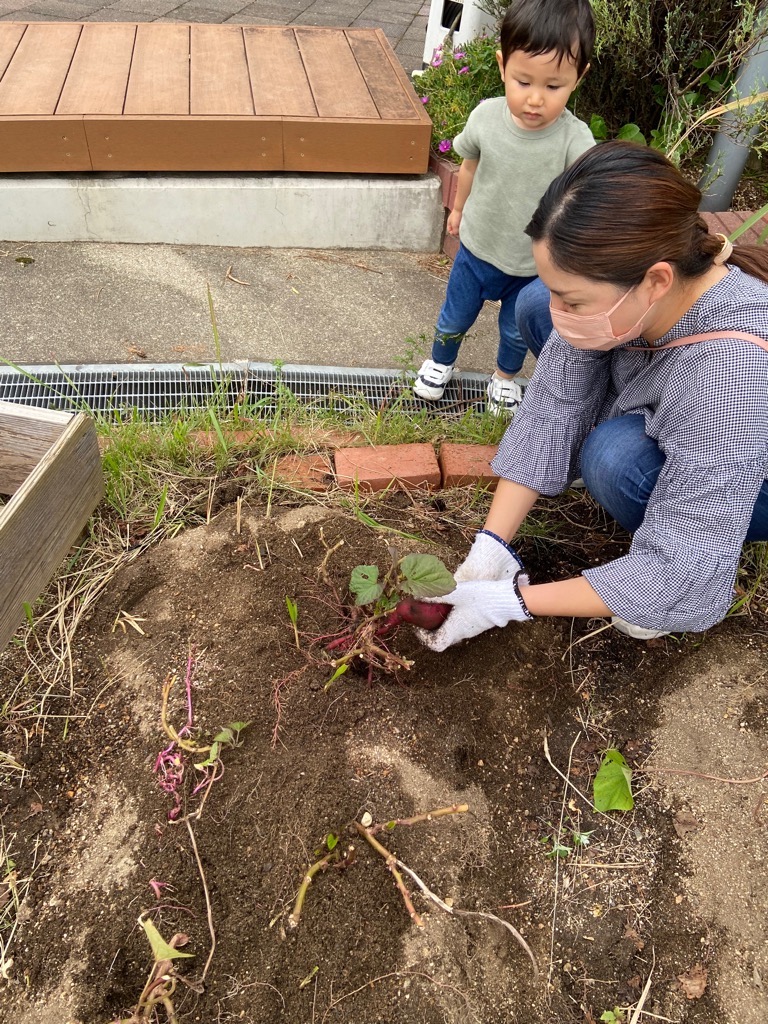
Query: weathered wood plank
{"x": 98, "y": 78}
{"x": 278, "y": 79}
{"x": 43, "y": 144}
{"x": 392, "y": 102}
{"x": 219, "y": 81}
{"x": 44, "y": 518}
{"x": 159, "y": 77}
{"x": 34, "y": 78}
{"x": 337, "y": 85}
{"x": 25, "y": 436}
{"x": 10, "y": 34}
{"x": 185, "y": 143}
{"x": 355, "y": 147}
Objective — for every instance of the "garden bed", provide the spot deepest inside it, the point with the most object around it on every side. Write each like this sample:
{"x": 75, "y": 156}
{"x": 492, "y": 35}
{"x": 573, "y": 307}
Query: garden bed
{"x": 673, "y": 893}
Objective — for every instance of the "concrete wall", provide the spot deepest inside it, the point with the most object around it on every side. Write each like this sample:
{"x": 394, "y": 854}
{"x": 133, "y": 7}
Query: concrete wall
{"x": 275, "y": 211}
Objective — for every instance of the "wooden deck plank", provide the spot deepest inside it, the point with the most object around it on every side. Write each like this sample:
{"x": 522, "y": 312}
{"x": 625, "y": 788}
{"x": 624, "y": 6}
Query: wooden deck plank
{"x": 219, "y": 81}
{"x": 392, "y": 102}
{"x": 159, "y": 77}
{"x": 98, "y": 78}
{"x": 278, "y": 79}
{"x": 43, "y": 144}
{"x": 33, "y": 80}
{"x": 337, "y": 84}
{"x": 185, "y": 143}
{"x": 355, "y": 147}
{"x": 10, "y": 34}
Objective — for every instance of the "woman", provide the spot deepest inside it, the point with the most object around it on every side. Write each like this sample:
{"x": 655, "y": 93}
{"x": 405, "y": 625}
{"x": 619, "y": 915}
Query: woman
{"x": 671, "y": 441}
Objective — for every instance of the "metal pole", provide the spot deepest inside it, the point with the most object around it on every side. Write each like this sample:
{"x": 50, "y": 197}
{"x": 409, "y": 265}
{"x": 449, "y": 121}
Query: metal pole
{"x": 731, "y": 146}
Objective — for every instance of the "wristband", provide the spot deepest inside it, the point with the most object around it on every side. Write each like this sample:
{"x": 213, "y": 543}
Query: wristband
{"x": 523, "y": 605}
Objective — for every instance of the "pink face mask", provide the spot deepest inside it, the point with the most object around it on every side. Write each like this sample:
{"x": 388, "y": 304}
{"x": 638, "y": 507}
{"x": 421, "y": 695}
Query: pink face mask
{"x": 595, "y": 330}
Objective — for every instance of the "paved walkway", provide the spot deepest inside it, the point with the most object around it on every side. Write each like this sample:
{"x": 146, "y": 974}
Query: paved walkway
{"x": 403, "y": 21}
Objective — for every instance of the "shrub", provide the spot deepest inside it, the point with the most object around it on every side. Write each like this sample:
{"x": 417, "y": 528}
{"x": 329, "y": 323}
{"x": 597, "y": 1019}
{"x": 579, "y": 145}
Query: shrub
{"x": 453, "y": 85}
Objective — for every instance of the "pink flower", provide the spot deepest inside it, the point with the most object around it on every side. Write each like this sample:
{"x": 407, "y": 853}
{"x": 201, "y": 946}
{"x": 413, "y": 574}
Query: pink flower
{"x": 459, "y": 55}
{"x": 444, "y": 145}
{"x": 464, "y": 70}
{"x": 437, "y": 58}
{"x": 425, "y": 99}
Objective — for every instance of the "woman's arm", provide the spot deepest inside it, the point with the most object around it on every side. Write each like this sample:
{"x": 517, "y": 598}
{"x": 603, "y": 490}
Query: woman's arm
{"x": 574, "y": 597}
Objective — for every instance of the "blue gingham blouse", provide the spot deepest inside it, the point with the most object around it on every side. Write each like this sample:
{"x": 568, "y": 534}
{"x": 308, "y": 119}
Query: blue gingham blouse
{"x": 707, "y": 408}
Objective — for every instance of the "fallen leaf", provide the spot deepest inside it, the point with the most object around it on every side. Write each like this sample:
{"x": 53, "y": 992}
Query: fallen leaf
{"x": 632, "y": 934}
{"x": 694, "y": 981}
{"x": 685, "y": 822}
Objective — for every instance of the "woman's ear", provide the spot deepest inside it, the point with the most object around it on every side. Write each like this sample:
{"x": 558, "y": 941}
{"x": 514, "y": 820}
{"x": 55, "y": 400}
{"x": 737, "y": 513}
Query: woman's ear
{"x": 660, "y": 277}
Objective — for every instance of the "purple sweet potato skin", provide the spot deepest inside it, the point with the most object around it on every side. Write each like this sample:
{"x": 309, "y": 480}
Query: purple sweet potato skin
{"x": 425, "y": 614}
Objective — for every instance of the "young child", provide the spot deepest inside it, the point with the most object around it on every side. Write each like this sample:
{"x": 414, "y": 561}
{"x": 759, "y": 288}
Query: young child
{"x": 513, "y": 147}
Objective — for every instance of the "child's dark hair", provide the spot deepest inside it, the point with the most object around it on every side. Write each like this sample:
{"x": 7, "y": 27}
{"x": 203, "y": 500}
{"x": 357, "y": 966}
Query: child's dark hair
{"x": 538, "y": 26}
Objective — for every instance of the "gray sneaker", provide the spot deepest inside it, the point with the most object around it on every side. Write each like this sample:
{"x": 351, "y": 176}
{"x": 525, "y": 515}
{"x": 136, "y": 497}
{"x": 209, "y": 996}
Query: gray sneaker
{"x": 504, "y": 396}
{"x": 432, "y": 379}
{"x": 637, "y": 632}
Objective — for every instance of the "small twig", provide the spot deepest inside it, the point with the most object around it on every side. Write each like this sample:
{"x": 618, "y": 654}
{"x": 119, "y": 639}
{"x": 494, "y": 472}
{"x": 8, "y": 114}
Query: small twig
{"x": 228, "y": 277}
{"x": 168, "y": 729}
{"x": 391, "y": 860}
{"x": 312, "y": 870}
{"x": 471, "y": 913}
{"x": 207, "y": 900}
{"x": 322, "y": 571}
{"x": 441, "y": 812}
{"x": 646, "y": 990}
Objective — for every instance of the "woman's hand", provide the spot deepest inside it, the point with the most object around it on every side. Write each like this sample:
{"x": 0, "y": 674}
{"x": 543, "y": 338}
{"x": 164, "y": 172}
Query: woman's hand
{"x": 489, "y": 558}
{"x": 477, "y": 605}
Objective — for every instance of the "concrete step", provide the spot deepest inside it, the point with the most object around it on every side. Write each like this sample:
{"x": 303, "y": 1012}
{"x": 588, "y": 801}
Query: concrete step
{"x": 319, "y": 211}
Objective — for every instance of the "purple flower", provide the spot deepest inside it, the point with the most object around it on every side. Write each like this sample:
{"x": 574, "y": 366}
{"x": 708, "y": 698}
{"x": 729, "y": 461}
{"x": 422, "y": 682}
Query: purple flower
{"x": 437, "y": 60}
{"x": 444, "y": 145}
{"x": 459, "y": 55}
{"x": 464, "y": 70}
{"x": 425, "y": 99}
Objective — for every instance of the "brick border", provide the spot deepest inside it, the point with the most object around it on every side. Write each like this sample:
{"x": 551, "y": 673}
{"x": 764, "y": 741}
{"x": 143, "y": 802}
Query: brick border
{"x": 374, "y": 468}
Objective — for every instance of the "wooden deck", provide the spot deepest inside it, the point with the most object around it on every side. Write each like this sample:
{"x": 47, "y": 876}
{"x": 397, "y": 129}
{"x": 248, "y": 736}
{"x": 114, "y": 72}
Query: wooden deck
{"x": 177, "y": 97}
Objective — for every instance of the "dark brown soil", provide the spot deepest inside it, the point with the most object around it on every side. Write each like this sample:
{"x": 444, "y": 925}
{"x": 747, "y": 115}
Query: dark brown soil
{"x": 464, "y": 726}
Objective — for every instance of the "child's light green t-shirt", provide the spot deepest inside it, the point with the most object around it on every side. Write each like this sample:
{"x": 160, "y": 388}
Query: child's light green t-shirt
{"x": 515, "y": 167}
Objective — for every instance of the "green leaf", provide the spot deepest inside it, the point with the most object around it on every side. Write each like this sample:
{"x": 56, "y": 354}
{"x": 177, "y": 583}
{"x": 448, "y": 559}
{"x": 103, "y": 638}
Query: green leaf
{"x": 160, "y": 948}
{"x": 425, "y": 576}
{"x": 598, "y": 127}
{"x": 331, "y": 841}
{"x": 367, "y": 520}
{"x": 612, "y": 786}
{"x": 364, "y": 584}
{"x": 631, "y": 133}
{"x": 293, "y": 610}
{"x": 339, "y": 672}
{"x": 238, "y": 726}
{"x": 225, "y": 736}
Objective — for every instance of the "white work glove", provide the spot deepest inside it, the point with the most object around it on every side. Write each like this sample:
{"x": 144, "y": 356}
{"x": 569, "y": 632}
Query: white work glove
{"x": 489, "y": 558}
{"x": 478, "y": 605}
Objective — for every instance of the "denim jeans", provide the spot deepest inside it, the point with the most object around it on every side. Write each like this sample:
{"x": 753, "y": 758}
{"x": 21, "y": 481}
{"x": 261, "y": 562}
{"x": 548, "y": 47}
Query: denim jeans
{"x": 620, "y": 465}
{"x": 472, "y": 281}
{"x": 534, "y": 321}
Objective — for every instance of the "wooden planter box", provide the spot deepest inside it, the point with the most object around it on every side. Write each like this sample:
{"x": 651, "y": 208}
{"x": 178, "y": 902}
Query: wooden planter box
{"x": 50, "y": 464}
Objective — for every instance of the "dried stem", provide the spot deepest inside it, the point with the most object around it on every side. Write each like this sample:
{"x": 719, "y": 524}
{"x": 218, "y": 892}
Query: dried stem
{"x": 472, "y": 913}
{"x": 207, "y": 899}
{"x": 312, "y": 870}
{"x": 391, "y": 861}
{"x": 168, "y": 729}
{"x": 441, "y": 812}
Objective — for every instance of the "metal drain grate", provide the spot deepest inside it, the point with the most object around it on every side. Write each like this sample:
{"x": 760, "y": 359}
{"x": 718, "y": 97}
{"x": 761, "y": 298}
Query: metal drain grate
{"x": 167, "y": 387}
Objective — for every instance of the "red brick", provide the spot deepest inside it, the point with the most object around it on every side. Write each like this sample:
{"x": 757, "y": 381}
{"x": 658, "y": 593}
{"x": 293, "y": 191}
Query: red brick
{"x": 463, "y": 464}
{"x": 727, "y": 222}
{"x": 450, "y": 246}
{"x": 307, "y": 472}
{"x": 209, "y": 439}
{"x": 408, "y": 465}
